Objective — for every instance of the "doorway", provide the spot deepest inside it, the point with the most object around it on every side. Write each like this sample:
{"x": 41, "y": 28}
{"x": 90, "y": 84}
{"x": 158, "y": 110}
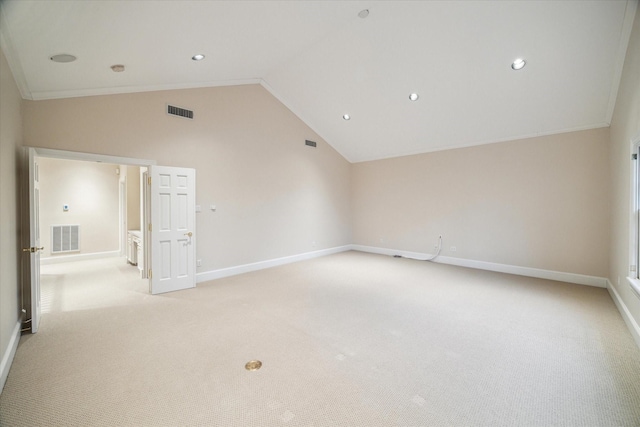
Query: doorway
{"x": 168, "y": 202}
{"x": 65, "y": 239}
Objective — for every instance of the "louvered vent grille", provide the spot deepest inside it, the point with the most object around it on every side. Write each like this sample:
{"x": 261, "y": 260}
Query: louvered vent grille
{"x": 65, "y": 238}
{"x": 180, "y": 112}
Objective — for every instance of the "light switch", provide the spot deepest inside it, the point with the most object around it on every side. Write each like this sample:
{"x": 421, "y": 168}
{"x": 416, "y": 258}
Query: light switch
{"x": 198, "y": 208}
{"x": 212, "y": 207}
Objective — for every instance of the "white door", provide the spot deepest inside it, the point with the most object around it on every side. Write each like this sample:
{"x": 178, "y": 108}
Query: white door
{"x": 172, "y": 228}
{"x": 31, "y": 241}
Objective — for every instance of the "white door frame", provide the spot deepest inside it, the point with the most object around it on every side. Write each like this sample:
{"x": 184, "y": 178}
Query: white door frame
{"x": 30, "y": 254}
{"x": 122, "y": 216}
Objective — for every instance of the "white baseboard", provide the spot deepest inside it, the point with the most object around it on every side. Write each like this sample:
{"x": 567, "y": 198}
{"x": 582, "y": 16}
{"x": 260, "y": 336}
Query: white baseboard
{"x": 78, "y": 257}
{"x": 245, "y": 268}
{"x": 9, "y": 353}
{"x": 626, "y": 314}
{"x": 560, "y": 276}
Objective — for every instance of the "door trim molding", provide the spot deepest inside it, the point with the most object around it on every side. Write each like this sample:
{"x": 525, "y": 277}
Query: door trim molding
{"x": 91, "y": 157}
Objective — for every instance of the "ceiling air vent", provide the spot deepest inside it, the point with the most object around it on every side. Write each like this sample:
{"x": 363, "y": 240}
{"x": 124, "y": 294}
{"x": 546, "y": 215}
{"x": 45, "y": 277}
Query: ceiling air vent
{"x": 180, "y": 112}
{"x": 309, "y": 143}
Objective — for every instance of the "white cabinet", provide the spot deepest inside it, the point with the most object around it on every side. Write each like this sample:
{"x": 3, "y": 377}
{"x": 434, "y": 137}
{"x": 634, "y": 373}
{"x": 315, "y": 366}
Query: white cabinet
{"x": 135, "y": 252}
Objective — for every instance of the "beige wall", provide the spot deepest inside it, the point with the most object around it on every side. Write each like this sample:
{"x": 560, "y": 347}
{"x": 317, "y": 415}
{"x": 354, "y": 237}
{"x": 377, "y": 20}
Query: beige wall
{"x": 10, "y": 141}
{"x": 624, "y": 126}
{"x": 133, "y": 197}
{"x": 274, "y": 196}
{"x": 92, "y": 192}
{"x": 538, "y": 203}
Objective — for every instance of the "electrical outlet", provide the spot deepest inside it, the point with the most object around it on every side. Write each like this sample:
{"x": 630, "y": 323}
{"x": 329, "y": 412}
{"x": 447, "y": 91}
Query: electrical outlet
{"x": 381, "y": 240}
{"x": 453, "y": 249}
{"x": 435, "y": 247}
{"x": 199, "y": 263}
{"x": 313, "y": 244}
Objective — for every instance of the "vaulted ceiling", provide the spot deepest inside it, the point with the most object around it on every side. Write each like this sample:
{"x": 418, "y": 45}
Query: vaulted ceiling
{"x": 325, "y": 59}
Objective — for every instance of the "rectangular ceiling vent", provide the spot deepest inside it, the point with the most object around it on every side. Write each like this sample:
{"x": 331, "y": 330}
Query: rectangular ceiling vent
{"x": 180, "y": 112}
{"x": 309, "y": 143}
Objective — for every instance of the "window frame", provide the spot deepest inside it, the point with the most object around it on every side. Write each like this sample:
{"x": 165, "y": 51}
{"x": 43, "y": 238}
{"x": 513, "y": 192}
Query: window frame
{"x": 634, "y": 253}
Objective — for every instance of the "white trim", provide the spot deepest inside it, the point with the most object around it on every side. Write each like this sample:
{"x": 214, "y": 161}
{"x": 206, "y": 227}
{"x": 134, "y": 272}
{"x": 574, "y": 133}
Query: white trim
{"x": 625, "y": 313}
{"x": 560, "y": 276}
{"x": 635, "y": 285}
{"x": 91, "y": 157}
{"x": 7, "y": 357}
{"x": 634, "y": 232}
{"x": 246, "y": 268}
{"x": 79, "y": 257}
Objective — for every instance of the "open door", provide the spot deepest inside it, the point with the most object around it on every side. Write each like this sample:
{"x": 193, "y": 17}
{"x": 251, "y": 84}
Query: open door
{"x": 31, "y": 240}
{"x": 172, "y": 229}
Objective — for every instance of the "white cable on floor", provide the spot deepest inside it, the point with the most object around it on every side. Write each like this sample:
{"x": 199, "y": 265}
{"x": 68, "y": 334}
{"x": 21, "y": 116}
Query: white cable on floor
{"x": 428, "y": 259}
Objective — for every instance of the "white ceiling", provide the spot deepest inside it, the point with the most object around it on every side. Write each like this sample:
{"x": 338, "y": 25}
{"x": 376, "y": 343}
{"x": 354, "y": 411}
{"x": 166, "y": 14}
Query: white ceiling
{"x": 322, "y": 61}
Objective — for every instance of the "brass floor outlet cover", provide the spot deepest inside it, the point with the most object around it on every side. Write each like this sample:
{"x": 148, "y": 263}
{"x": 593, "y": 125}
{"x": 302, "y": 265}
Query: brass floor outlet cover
{"x": 253, "y": 365}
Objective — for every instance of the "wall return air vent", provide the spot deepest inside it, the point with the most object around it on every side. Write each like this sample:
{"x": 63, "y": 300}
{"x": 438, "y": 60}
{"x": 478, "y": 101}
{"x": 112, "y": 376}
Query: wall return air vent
{"x": 65, "y": 238}
{"x": 179, "y": 112}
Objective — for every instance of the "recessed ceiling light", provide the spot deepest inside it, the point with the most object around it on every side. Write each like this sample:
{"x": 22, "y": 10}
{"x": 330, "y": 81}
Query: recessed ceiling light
{"x": 118, "y": 68}
{"x": 198, "y": 57}
{"x": 414, "y": 97}
{"x": 518, "y": 64}
{"x": 363, "y": 13}
{"x": 63, "y": 57}
{"x": 346, "y": 117}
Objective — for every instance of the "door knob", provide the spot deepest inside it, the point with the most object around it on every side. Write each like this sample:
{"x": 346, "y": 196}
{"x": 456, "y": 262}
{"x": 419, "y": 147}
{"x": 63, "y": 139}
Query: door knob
{"x": 33, "y": 249}
{"x": 188, "y": 234}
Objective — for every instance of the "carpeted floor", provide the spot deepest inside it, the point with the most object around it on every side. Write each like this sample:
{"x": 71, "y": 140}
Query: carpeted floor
{"x": 350, "y": 339}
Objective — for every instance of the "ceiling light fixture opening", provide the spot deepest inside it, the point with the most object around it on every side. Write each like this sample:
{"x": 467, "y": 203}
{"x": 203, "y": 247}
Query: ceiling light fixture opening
{"x": 518, "y": 64}
{"x": 63, "y": 58}
{"x": 198, "y": 57}
{"x": 414, "y": 97}
{"x": 363, "y": 13}
{"x": 118, "y": 68}
{"x": 346, "y": 117}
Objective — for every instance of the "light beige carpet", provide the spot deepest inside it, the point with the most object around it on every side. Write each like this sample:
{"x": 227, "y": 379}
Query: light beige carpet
{"x": 351, "y": 339}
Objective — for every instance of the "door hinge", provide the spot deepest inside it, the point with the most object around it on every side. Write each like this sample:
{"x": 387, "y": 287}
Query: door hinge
{"x": 149, "y": 226}
{"x": 150, "y": 274}
{"x": 149, "y": 180}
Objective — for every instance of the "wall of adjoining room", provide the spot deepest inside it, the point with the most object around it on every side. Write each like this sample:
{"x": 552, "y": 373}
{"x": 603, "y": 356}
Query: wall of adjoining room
{"x": 91, "y": 193}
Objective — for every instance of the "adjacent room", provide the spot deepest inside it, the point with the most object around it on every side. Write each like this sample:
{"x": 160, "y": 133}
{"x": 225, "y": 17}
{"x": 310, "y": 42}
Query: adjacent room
{"x": 268, "y": 213}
